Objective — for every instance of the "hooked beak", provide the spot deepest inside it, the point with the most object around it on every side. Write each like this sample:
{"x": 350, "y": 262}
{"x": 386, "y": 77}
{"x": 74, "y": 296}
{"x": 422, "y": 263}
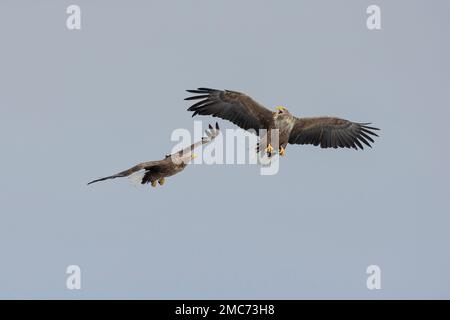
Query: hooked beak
{"x": 280, "y": 109}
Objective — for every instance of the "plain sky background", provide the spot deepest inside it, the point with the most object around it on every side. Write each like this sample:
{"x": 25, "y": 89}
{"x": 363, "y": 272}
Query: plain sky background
{"x": 78, "y": 105}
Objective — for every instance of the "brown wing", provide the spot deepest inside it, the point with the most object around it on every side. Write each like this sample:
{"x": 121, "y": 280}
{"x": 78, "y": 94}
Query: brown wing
{"x": 211, "y": 134}
{"x": 329, "y": 132}
{"x": 150, "y": 165}
{"x": 234, "y": 106}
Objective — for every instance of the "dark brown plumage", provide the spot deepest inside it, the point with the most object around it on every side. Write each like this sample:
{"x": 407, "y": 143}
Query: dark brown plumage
{"x": 157, "y": 171}
{"x": 331, "y": 132}
{"x": 234, "y": 106}
{"x": 242, "y": 110}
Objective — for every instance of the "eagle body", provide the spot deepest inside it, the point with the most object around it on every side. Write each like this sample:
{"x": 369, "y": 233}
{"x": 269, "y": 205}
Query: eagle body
{"x": 283, "y": 122}
{"x": 156, "y": 171}
{"x": 164, "y": 170}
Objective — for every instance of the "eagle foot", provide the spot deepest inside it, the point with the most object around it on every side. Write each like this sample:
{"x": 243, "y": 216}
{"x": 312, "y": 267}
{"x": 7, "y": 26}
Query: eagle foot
{"x": 161, "y": 181}
{"x": 154, "y": 183}
{"x": 269, "y": 150}
{"x": 282, "y": 151}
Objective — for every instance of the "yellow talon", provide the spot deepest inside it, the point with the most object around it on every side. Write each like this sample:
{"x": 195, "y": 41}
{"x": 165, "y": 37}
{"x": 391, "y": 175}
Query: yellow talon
{"x": 282, "y": 151}
{"x": 154, "y": 183}
{"x": 161, "y": 181}
{"x": 269, "y": 149}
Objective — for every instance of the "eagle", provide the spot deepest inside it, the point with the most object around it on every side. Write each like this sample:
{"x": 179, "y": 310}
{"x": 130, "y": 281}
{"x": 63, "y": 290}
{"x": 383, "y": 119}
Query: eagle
{"x": 243, "y": 111}
{"x": 156, "y": 171}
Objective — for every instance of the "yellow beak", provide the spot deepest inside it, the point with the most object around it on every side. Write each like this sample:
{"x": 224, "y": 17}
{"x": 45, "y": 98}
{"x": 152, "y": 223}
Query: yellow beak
{"x": 280, "y": 108}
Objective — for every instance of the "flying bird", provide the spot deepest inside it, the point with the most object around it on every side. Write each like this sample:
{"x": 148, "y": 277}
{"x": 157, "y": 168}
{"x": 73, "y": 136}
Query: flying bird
{"x": 156, "y": 171}
{"x": 242, "y": 110}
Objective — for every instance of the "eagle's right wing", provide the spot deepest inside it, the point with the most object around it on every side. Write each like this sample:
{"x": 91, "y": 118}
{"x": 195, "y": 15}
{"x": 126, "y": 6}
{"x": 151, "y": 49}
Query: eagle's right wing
{"x": 234, "y": 106}
{"x": 141, "y": 166}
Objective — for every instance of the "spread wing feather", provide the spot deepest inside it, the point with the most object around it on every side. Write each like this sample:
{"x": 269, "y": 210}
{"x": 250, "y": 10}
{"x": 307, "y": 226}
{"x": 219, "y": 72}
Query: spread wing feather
{"x": 211, "y": 134}
{"x": 141, "y": 166}
{"x": 330, "y": 132}
{"x": 234, "y": 106}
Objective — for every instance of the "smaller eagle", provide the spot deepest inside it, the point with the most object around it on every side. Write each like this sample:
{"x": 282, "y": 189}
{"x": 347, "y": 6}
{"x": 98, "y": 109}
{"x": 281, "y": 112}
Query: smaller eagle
{"x": 243, "y": 111}
{"x": 157, "y": 171}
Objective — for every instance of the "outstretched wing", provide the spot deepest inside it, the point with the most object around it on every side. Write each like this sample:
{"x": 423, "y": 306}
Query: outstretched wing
{"x": 141, "y": 166}
{"x": 211, "y": 134}
{"x": 330, "y": 132}
{"x": 234, "y": 106}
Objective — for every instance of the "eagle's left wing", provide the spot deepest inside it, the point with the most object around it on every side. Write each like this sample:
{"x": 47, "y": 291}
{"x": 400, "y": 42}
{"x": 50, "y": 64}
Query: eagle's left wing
{"x": 330, "y": 132}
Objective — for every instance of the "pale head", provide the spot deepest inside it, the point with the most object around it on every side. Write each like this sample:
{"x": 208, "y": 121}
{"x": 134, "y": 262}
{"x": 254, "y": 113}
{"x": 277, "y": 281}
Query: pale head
{"x": 281, "y": 110}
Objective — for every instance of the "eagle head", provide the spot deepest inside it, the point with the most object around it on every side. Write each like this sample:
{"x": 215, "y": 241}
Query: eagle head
{"x": 280, "y": 110}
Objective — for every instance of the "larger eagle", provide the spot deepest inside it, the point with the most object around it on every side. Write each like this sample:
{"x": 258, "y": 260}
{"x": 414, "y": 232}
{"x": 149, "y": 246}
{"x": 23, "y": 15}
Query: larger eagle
{"x": 242, "y": 110}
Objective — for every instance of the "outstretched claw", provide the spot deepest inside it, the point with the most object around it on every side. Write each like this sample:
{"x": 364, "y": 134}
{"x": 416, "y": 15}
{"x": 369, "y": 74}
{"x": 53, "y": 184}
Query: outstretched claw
{"x": 269, "y": 150}
{"x": 161, "y": 181}
{"x": 154, "y": 183}
{"x": 282, "y": 151}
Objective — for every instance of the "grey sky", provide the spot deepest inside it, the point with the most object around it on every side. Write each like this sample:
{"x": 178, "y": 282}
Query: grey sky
{"x": 77, "y": 105}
